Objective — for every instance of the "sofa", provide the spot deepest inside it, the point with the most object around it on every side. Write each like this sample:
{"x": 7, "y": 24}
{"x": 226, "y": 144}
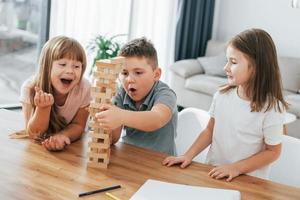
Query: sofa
{"x": 196, "y": 80}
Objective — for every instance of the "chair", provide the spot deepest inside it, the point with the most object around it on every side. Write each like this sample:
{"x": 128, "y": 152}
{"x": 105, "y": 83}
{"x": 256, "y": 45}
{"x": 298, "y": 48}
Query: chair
{"x": 286, "y": 168}
{"x": 191, "y": 121}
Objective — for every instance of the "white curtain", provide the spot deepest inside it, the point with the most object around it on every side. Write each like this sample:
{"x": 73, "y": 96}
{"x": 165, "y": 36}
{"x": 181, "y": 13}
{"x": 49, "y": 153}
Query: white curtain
{"x": 156, "y": 20}
{"x": 83, "y": 19}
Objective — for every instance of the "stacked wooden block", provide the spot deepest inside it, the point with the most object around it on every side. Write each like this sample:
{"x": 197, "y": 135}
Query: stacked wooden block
{"x": 103, "y": 89}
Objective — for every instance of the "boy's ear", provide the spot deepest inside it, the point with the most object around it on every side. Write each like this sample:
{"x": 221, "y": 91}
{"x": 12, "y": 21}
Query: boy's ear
{"x": 157, "y": 73}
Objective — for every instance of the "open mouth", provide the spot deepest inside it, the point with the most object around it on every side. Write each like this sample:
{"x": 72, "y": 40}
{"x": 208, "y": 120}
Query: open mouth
{"x": 132, "y": 90}
{"x": 66, "y": 81}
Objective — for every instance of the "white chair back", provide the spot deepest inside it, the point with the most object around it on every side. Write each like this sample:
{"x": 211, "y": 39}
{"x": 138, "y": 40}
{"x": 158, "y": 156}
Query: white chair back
{"x": 191, "y": 121}
{"x": 286, "y": 169}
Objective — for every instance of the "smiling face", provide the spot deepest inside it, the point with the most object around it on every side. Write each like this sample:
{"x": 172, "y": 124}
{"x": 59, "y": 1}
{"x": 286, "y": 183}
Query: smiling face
{"x": 138, "y": 77}
{"x": 65, "y": 75}
{"x": 238, "y": 68}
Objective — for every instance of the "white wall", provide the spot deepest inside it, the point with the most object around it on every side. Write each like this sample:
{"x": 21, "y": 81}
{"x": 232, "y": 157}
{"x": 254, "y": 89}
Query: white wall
{"x": 277, "y": 17}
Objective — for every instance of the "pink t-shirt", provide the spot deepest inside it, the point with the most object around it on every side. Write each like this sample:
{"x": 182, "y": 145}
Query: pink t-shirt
{"x": 78, "y": 97}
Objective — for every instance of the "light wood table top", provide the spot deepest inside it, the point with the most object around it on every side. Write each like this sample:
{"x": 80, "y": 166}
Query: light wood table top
{"x": 28, "y": 171}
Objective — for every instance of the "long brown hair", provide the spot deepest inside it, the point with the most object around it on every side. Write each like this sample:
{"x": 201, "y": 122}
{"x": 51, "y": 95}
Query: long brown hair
{"x": 265, "y": 87}
{"x": 57, "y": 48}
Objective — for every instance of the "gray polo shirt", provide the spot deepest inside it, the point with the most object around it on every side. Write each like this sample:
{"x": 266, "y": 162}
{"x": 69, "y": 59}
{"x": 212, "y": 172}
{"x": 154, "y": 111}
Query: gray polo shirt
{"x": 163, "y": 139}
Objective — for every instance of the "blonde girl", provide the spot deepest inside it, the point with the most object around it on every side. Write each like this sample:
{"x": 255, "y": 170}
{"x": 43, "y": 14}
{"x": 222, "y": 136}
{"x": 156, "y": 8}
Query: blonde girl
{"x": 54, "y": 100}
{"x": 247, "y": 114}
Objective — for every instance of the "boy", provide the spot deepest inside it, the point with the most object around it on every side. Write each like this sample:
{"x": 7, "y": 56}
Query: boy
{"x": 145, "y": 107}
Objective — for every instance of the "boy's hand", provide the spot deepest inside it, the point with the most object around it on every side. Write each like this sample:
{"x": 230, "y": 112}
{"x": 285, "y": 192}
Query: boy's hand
{"x": 230, "y": 171}
{"x": 56, "y": 142}
{"x": 42, "y": 99}
{"x": 172, "y": 160}
{"x": 110, "y": 117}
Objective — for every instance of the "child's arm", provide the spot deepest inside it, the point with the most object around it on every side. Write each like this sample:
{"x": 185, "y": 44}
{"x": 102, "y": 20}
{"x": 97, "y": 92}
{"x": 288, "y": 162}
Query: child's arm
{"x": 263, "y": 158}
{"x": 116, "y": 133}
{"x": 113, "y": 117}
{"x": 38, "y": 121}
{"x": 203, "y": 140}
{"x": 71, "y": 133}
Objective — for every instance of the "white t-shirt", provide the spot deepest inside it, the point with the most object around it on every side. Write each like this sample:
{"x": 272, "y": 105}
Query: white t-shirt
{"x": 78, "y": 97}
{"x": 239, "y": 133}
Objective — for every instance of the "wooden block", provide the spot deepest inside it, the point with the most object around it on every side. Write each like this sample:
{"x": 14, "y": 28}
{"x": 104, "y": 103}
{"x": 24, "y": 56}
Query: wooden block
{"x": 118, "y": 59}
{"x": 99, "y": 145}
{"x": 104, "y": 88}
{"x": 98, "y": 94}
{"x": 95, "y": 125}
{"x": 101, "y": 66}
{"x": 102, "y": 100}
{"x": 104, "y": 64}
{"x": 93, "y": 111}
{"x": 108, "y": 92}
{"x": 95, "y": 105}
{"x": 99, "y": 157}
{"x": 111, "y": 62}
{"x": 97, "y": 165}
{"x": 99, "y": 75}
{"x": 101, "y": 84}
{"x": 104, "y": 156}
{"x": 98, "y": 135}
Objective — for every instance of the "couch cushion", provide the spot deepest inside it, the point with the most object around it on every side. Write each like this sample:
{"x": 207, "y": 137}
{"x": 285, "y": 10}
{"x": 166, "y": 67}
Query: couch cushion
{"x": 290, "y": 73}
{"x": 205, "y": 83}
{"x": 215, "y": 47}
{"x": 287, "y": 92}
{"x": 294, "y": 101}
{"x": 186, "y": 68}
{"x": 213, "y": 65}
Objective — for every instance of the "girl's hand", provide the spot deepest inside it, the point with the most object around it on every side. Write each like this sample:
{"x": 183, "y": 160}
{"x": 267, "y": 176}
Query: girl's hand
{"x": 172, "y": 160}
{"x": 42, "y": 99}
{"x": 56, "y": 142}
{"x": 230, "y": 171}
{"x": 110, "y": 117}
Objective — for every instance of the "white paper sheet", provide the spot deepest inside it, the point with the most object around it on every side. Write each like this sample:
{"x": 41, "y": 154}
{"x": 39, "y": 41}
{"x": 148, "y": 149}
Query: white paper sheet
{"x": 158, "y": 190}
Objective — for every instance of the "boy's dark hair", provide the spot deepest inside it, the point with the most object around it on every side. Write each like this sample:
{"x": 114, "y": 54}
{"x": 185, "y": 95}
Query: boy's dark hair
{"x": 140, "y": 47}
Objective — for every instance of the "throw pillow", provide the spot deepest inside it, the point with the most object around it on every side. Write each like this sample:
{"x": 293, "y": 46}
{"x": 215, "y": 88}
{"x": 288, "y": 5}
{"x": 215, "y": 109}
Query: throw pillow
{"x": 213, "y": 65}
{"x": 290, "y": 73}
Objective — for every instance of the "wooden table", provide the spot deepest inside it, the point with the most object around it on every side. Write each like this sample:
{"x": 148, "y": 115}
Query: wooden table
{"x": 28, "y": 171}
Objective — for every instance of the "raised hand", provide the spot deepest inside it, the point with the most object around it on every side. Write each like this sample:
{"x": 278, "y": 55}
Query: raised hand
{"x": 172, "y": 160}
{"x": 56, "y": 142}
{"x": 230, "y": 171}
{"x": 42, "y": 99}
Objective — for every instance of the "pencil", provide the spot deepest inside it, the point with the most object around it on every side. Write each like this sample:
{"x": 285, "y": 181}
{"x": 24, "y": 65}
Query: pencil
{"x": 112, "y": 196}
{"x": 100, "y": 190}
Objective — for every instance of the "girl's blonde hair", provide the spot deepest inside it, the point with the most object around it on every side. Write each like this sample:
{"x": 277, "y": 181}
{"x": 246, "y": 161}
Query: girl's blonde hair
{"x": 265, "y": 87}
{"x": 56, "y": 48}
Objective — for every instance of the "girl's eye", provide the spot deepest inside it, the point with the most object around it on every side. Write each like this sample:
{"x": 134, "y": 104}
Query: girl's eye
{"x": 232, "y": 61}
{"x": 124, "y": 73}
{"x": 77, "y": 66}
{"x": 62, "y": 64}
{"x": 139, "y": 73}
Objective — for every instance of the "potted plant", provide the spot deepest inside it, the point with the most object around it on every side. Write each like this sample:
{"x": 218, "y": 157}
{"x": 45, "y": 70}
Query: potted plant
{"x": 103, "y": 47}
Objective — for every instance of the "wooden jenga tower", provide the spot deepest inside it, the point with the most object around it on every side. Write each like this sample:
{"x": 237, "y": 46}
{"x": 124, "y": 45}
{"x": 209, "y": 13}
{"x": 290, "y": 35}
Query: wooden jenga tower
{"x": 103, "y": 89}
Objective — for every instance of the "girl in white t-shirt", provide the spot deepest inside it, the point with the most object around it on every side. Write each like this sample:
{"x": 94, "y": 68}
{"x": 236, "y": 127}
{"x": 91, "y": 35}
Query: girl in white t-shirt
{"x": 54, "y": 100}
{"x": 247, "y": 114}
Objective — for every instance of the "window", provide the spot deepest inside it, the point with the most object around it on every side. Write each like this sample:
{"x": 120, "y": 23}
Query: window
{"x": 23, "y": 30}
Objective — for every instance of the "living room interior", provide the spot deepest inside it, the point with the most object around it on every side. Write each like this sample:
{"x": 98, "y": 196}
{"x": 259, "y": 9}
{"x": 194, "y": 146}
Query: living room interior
{"x": 193, "y": 68}
{"x": 131, "y": 19}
